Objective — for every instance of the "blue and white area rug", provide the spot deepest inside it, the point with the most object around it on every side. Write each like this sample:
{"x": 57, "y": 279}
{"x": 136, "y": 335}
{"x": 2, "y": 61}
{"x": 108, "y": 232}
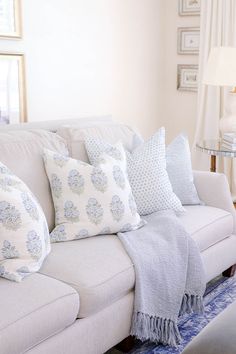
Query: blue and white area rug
{"x": 219, "y": 294}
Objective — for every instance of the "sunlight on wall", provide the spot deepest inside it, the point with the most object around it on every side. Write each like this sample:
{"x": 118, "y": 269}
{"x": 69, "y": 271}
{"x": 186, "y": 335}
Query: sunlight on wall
{"x": 93, "y": 57}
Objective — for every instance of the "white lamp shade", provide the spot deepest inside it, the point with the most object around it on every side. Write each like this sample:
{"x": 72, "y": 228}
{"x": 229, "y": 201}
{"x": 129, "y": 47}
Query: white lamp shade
{"x": 221, "y": 67}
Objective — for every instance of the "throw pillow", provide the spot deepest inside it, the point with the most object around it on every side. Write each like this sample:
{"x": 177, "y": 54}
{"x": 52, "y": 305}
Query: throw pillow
{"x": 90, "y": 200}
{"x": 147, "y": 173}
{"x": 179, "y": 168}
{"x": 110, "y": 132}
{"x": 24, "y": 235}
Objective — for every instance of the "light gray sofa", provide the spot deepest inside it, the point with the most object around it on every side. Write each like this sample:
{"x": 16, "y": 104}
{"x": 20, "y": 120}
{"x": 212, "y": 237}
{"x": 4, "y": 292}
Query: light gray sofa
{"x": 81, "y": 301}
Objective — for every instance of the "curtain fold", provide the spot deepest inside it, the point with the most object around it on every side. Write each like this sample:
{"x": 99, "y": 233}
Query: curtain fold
{"x": 218, "y": 28}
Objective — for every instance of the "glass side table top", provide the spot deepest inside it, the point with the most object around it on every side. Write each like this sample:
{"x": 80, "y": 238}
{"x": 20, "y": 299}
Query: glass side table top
{"x": 214, "y": 147}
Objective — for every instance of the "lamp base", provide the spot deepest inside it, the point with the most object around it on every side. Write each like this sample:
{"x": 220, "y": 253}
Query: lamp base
{"x": 228, "y": 124}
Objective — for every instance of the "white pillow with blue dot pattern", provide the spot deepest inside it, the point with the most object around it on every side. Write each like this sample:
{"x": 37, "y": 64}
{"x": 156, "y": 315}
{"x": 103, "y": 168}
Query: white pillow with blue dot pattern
{"x": 24, "y": 235}
{"x": 147, "y": 173}
{"x": 90, "y": 200}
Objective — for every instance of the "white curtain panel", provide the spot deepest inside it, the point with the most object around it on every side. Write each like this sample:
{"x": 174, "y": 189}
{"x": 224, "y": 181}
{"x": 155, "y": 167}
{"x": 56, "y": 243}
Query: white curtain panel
{"x": 218, "y": 28}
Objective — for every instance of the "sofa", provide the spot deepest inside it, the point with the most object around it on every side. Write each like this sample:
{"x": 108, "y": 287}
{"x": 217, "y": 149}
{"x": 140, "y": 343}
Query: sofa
{"x": 81, "y": 300}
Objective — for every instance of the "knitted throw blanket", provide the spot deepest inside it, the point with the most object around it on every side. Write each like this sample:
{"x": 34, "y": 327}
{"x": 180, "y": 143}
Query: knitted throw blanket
{"x": 170, "y": 279}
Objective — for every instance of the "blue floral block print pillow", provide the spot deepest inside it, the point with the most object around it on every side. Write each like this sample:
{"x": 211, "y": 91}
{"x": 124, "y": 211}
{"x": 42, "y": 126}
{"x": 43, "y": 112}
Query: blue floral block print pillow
{"x": 24, "y": 235}
{"x": 90, "y": 200}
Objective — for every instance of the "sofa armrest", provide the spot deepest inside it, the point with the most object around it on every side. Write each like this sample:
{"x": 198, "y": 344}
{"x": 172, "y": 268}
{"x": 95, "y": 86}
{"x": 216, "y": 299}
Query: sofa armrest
{"x": 213, "y": 189}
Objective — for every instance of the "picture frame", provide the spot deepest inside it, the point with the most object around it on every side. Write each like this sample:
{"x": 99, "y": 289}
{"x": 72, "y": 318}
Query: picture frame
{"x": 12, "y": 88}
{"x": 10, "y": 19}
{"x": 187, "y": 77}
{"x": 189, "y": 7}
{"x": 188, "y": 40}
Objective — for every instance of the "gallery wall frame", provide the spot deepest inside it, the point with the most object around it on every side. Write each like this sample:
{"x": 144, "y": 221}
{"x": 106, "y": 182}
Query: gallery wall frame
{"x": 10, "y": 19}
{"x": 187, "y": 77}
{"x": 13, "y": 108}
{"x": 189, "y": 7}
{"x": 188, "y": 40}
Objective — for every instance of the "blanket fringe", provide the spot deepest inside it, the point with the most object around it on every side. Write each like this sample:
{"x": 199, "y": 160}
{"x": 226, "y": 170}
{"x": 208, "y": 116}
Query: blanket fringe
{"x": 163, "y": 330}
{"x": 155, "y": 329}
{"x": 191, "y": 303}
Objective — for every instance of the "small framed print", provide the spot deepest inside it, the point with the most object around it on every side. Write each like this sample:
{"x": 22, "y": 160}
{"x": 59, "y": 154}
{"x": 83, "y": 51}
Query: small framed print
{"x": 12, "y": 89}
{"x": 10, "y": 19}
{"x": 189, "y": 7}
{"x": 187, "y": 78}
{"x": 188, "y": 40}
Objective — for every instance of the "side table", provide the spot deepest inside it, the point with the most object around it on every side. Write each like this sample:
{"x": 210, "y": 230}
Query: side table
{"x": 214, "y": 148}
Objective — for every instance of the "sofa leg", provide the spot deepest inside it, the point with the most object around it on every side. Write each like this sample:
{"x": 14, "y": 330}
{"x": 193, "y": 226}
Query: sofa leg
{"x": 126, "y": 345}
{"x": 230, "y": 271}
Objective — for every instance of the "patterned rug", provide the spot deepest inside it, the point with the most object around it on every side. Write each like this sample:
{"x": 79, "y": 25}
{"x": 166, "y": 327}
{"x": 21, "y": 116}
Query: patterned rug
{"x": 219, "y": 294}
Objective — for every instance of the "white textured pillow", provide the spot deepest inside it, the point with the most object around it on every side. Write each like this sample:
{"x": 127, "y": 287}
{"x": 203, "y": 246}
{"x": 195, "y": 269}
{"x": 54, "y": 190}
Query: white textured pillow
{"x": 147, "y": 173}
{"x": 24, "y": 235}
{"x": 110, "y": 132}
{"x": 179, "y": 168}
{"x": 90, "y": 200}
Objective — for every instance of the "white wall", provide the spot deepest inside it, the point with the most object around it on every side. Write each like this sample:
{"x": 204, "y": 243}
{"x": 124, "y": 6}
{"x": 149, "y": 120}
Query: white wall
{"x": 180, "y": 107}
{"x": 94, "y": 57}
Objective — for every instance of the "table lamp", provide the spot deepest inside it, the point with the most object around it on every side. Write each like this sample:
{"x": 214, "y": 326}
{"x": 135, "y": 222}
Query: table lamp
{"x": 221, "y": 71}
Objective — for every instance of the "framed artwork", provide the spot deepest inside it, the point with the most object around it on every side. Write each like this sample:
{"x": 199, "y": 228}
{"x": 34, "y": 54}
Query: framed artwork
{"x": 187, "y": 78}
{"x": 189, "y": 7}
{"x": 188, "y": 40}
{"x": 10, "y": 19}
{"x": 12, "y": 89}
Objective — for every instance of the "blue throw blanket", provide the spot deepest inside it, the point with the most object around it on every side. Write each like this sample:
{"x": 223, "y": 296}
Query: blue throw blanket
{"x": 170, "y": 279}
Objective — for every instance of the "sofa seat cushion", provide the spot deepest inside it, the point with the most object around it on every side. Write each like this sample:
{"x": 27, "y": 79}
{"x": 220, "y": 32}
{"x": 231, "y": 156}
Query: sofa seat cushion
{"x": 34, "y": 310}
{"x": 100, "y": 270}
{"x": 207, "y": 225}
{"x": 97, "y": 267}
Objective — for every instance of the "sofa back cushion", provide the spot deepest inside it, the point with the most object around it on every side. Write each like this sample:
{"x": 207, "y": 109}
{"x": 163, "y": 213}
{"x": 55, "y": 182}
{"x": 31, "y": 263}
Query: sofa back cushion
{"x": 110, "y": 132}
{"x": 21, "y": 152}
